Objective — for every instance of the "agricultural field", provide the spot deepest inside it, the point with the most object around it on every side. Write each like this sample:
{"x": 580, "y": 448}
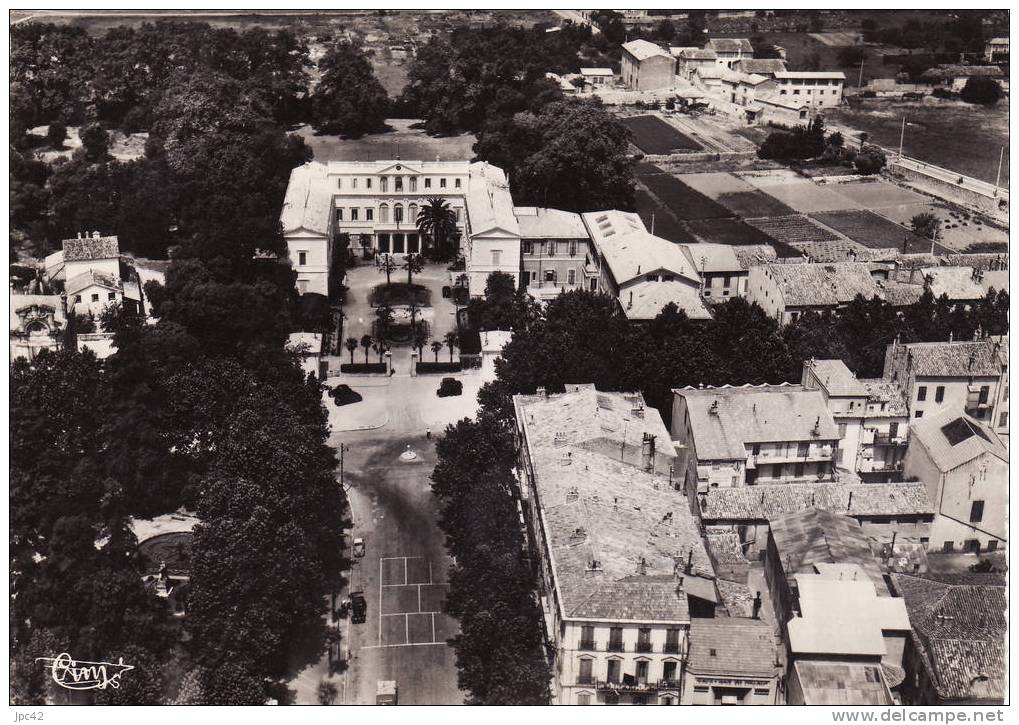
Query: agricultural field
{"x": 660, "y": 221}
{"x": 800, "y": 195}
{"x": 835, "y": 250}
{"x": 408, "y": 142}
{"x": 952, "y": 134}
{"x": 959, "y": 228}
{"x": 715, "y": 184}
{"x": 652, "y": 135}
{"x": 794, "y": 229}
{"x": 752, "y": 204}
{"x": 871, "y": 230}
{"x": 732, "y": 232}
{"x": 876, "y": 194}
{"x": 685, "y": 202}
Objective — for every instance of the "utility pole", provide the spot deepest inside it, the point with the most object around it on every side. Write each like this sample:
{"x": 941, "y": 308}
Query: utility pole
{"x": 343, "y": 448}
{"x": 997, "y": 179}
{"x": 653, "y": 214}
{"x": 902, "y": 136}
{"x": 859, "y": 81}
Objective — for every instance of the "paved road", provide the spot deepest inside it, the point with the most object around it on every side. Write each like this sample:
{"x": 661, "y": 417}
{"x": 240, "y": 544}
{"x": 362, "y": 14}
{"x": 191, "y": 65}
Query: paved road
{"x": 402, "y": 576}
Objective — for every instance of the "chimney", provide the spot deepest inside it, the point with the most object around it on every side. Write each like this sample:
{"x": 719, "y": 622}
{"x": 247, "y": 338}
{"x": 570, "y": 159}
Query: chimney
{"x": 970, "y": 367}
{"x": 95, "y": 235}
{"x": 713, "y": 410}
{"x": 630, "y": 303}
{"x": 642, "y": 567}
{"x": 679, "y": 587}
{"x": 951, "y": 336}
{"x": 817, "y": 426}
{"x": 541, "y": 391}
{"x": 849, "y": 506}
{"x": 757, "y": 606}
{"x": 689, "y": 562}
{"x": 647, "y": 452}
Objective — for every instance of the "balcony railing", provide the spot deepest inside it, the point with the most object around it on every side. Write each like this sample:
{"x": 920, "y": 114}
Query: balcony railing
{"x": 635, "y": 686}
{"x": 588, "y": 644}
{"x": 644, "y": 647}
{"x": 585, "y": 679}
{"x": 886, "y": 439}
{"x": 615, "y": 646}
{"x": 671, "y": 648}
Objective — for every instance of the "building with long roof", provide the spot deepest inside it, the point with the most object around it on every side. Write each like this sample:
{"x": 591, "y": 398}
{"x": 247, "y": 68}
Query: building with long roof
{"x": 621, "y": 560}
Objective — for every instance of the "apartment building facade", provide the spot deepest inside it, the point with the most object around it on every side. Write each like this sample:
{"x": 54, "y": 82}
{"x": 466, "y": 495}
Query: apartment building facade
{"x": 556, "y": 254}
{"x": 618, "y": 553}
{"x": 747, "y": 435}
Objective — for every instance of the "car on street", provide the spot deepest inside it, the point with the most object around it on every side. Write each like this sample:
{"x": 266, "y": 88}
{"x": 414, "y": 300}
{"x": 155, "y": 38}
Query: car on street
{"x": 358, "y": 608}
{"x": 358, "y": 547}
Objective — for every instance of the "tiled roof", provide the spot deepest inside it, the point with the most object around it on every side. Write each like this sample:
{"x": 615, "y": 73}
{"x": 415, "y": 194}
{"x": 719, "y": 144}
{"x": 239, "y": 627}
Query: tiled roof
{"x": 954, "y": 359}
{"x": 899, "y": 294}
{"x": 76, "y": 250}
{"x": 761, "y": 66}
{"x": 794, "y": 74}
{"x": 726, "y": 547}
{"x": 730, "y": 45}
{"x": 817, "y": 285}
{"x": 697, "y": 54}
{"x": 489, "y": 204}
{"x": 596, "y": 72}
{"x": 643, "y": 49}
{"x": 731, "y": 646}
{"x": 712, "y": 257}
{"x": 765, "y": 502}
{"x": 541, "y": 223}
{"x": 812, "y": 536}
{"x": 960, "y": 631}
{"x": 881, "y": 390}
{"x": 598, "y": 504}
{"x": 754, "y": 414}
{"x": 754, "y": 254}
{"x": 837, "y": 684}
{"x": 829, "y": 250}
{"x": 993, "y": 279}
{"x": 836, "y": 378}
{"x": 956, "y": 282}
{"x": 308, "y": 203}
{"x": 631, "y": 251}
{"x": 983, "y": 261}
{"x": 90, "y": 279}
{"x": 972, "y": 439}
{"x": 644, "y": 300}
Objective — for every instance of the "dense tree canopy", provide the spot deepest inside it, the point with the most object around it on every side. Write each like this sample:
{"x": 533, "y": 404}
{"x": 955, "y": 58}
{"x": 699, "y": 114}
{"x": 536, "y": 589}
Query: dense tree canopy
{"x": 583, "y": 337}
{"x": 348, "y": 99}
{"x": 570, "y": 155}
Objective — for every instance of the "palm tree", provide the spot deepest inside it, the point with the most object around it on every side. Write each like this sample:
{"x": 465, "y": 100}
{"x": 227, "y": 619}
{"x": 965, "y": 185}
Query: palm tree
{"x": 420, "y": 338}
{"x": 436, "y": 347}
{"x": 366, "y": 343}
{"x": 438, "y": 221}
{"x": 452, "y": 341}
{"x": 383, "y": 320}
{"x": 413, "y": 264}
{"x": 388, "y": 266}
{"x": 351, "y": 344}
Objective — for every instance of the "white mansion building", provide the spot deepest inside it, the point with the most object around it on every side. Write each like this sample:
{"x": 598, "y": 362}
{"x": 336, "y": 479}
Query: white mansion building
{"x": 377, "y": 203}
{"x": 547, "y": 251}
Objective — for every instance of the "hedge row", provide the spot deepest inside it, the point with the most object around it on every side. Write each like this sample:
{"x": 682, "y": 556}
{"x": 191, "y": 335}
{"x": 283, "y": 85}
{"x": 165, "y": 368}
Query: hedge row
{"x": 439, "y": 367}
{"x": 364, "y": 368}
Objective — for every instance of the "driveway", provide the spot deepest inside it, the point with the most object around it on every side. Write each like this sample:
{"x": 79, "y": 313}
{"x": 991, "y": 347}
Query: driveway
{"x": 440, "y": 315}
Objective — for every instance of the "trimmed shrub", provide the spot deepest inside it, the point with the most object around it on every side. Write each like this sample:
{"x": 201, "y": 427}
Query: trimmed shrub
{"x": 438, "y": 367}
{"x": 373, "y": 368}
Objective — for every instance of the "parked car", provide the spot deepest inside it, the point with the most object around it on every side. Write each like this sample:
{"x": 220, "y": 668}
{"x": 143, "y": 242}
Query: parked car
{"x": 358, "y": 608}
{"x": 358, "y": 547}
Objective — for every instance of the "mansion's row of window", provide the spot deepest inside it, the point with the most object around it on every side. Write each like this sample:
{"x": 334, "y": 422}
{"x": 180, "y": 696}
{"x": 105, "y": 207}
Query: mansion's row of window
{"x": 95, "y": 297}
{"x": 550, "y": 248}
{"x": 397, "y": 183}
{"x": 615, "y": 643}
{"x": 552, "y": 277}
{"x": 614, "y": 671}
{"x": 356, "y": 214}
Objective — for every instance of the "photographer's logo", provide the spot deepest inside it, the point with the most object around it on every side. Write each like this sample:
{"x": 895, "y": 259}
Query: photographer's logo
{"x": 74, "y": 675}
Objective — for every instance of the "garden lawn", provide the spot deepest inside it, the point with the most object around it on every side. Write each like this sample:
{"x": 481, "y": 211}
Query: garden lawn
{"x": 874, "y": 231}
{"x": 652, "y": 135}
{"x": 807, "y": 197}
{"x": 685, "y": 202}
{"x": 402, "y": 140}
